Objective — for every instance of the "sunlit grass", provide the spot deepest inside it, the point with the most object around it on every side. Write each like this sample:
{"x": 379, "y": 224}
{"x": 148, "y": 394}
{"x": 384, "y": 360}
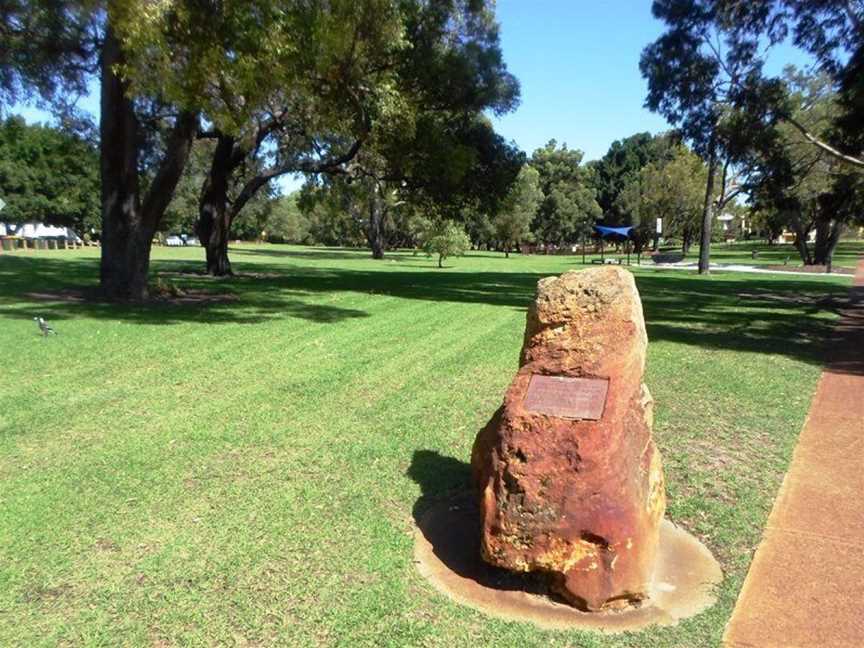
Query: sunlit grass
{"x": 237, "y": 473}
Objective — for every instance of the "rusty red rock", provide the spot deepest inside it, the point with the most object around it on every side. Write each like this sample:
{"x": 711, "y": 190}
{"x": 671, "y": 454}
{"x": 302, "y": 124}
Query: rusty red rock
{"x": 579, "y": 499}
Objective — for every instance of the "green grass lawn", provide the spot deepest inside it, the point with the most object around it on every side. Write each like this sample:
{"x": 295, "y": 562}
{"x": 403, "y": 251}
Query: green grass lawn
{"x": 845, "y": 256}
{"x": 245, "y": 472}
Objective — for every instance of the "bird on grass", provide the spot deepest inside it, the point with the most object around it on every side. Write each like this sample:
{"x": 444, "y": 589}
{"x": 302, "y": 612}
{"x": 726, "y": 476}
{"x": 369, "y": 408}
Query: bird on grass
{"x": 44, "y": 327}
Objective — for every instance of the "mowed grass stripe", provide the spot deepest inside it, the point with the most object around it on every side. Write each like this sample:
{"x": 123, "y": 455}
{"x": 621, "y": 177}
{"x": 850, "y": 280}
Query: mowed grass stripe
{"x": 247, "y": 475}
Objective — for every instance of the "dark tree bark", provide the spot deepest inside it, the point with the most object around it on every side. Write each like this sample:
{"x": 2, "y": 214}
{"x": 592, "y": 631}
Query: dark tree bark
{"x": 375, "y": 228}
{"x": 801, "y": 235}
{"x": 827, "y": 236}
{"x": 128, "y": 225}
{"x": 686, "y": 242}
{"x": 125, "y": 246}
{"x": 708, "y": 210}
{"x": 214, "y": 216}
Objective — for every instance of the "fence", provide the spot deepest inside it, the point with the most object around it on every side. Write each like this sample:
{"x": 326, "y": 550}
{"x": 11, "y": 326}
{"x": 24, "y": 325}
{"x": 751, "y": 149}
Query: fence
{"x": 12, "y": 243}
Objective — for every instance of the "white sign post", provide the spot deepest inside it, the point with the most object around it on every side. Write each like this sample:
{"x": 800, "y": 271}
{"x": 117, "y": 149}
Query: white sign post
{"x": 2, "y": 204}
{"x": 659, "y": 225}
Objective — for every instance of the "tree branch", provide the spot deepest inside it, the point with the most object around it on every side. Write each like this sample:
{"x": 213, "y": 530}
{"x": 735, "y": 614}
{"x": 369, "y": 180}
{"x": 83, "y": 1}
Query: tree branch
{"x": 822, "y": 145}
{"x": 327, "y": 166}
{"x": 166, "y": 179}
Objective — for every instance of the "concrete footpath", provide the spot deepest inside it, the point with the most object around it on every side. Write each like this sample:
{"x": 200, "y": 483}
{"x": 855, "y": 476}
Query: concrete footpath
{"x": 805, "y": 586}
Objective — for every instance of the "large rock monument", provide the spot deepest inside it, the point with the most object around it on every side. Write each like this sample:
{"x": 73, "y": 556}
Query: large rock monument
{"x": 570, "y": 481}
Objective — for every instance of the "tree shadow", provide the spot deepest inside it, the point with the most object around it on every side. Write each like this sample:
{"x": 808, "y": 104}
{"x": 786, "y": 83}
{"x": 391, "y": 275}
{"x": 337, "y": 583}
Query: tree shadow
{"x": 448, "y": 517}
{"x": 767, "y": 316}
{"x": 761, "y": 314}
{"x": 846, "y": 354}
{"x": 58, "y": 289}
{"x": 317, "y": 253}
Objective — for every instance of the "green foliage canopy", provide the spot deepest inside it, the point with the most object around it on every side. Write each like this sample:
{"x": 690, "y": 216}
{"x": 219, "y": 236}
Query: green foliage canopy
{"x": 446, "y": 239}
{"x": 513, "y": 222}
{"x": 569, "y": 209}
{"x": 620, "y": 167}
{"x": 48, "y": 175}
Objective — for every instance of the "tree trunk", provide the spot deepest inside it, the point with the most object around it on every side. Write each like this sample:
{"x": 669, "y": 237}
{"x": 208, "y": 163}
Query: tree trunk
{"x": 214, "y": 219}
{"x": 375, "y": 227}
{"x": 440, "y": 261}
{"x": 128, "y": 224}
{"x": 707, "y": 210}
{"x": 801, "y": 241}
{"x": 125, "y": 251}
{"x": 827, "y": 236}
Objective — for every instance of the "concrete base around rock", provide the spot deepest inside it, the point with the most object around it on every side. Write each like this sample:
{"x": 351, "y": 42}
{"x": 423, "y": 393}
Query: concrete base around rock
{"x": 447, "y": 553}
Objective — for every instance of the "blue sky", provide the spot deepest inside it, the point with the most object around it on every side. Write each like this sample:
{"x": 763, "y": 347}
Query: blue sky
{"x": 578, "y": 65}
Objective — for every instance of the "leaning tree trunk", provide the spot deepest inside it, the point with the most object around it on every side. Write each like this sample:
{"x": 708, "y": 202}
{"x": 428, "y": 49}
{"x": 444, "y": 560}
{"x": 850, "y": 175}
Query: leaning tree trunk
{"x": 708, "y": 211}
{"x": 214, "y": 220}
{"x": 128, "y": 223}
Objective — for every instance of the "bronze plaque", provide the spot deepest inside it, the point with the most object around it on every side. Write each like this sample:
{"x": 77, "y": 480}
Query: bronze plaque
{"x": 566, "y": 397}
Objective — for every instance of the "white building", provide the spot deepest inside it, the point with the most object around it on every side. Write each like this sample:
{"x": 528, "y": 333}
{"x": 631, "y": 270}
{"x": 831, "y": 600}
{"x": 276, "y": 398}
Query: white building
{"x": 34, "y": 230}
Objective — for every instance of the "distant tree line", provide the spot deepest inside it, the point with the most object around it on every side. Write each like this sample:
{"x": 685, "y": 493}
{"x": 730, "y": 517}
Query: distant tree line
{"x": 49, "y": 175}
{"x": 382, "y": 105}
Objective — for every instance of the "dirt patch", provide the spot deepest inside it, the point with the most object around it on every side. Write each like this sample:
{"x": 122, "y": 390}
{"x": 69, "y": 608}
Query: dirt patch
{"x": 820, "y": 301}
{"x": 69, "y": 295}
{"x": 159, "y": 295}
{"x": 814, "y": 269}
{"x": 107, "y": 545}
{"x": 192, "y": 274}
{"x": 39, "y": 593}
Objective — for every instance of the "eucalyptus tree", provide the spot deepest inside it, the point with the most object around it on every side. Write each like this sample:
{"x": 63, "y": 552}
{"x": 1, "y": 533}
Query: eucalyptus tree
{"x": 832, "y": 33}
{"x": 340, "y": 63}
{"x": 569, "y": 208}
{"x": 696, "y": 79}
{"x": 158, "y": 64}
{"x": 444, "y": 167}
{"x": 180, "y": 60}
{"x": 512, "y": 224}
{"x": 809, "y": 187}
{"x": 383, "y": 71}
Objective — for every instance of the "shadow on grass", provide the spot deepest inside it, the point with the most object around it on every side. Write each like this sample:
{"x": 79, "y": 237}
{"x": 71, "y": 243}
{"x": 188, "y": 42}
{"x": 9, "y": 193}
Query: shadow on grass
{"x": 448, "y": 517}
{"x": 23, "y": 278}
{"x": 846, "y": 354}
{"x": 316, "y": 253}
{"x": 759, "y": 314}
